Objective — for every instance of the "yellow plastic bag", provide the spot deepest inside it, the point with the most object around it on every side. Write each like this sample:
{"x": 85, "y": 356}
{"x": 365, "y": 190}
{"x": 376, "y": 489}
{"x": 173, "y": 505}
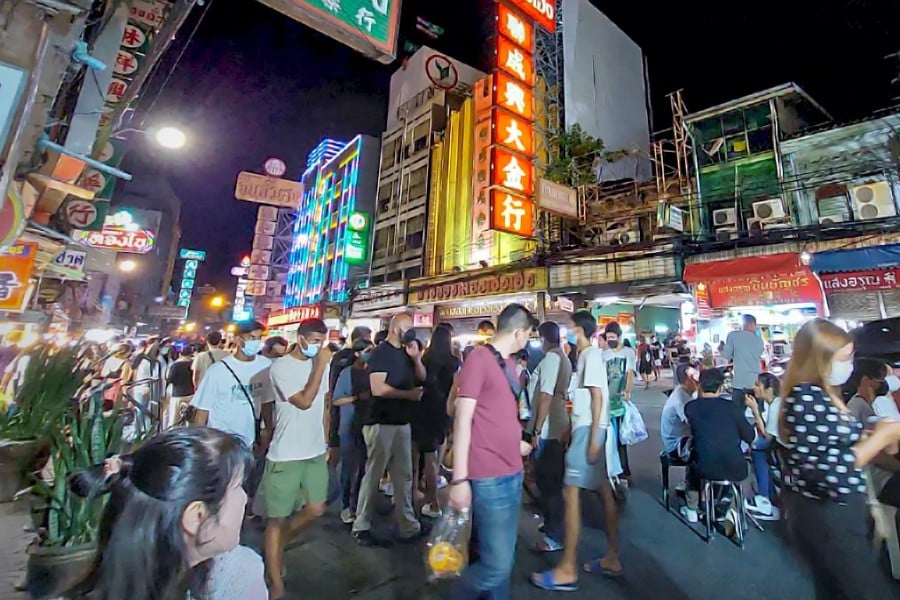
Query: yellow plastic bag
{"x": 447, "y": 551}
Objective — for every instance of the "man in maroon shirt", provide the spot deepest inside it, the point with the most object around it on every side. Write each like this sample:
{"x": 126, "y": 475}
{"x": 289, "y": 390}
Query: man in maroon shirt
{"x": 487, "y": 454}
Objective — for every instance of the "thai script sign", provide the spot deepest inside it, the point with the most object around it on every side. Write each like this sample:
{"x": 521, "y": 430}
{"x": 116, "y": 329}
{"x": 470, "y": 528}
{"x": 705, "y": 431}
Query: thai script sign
{"x": 293, "y": 315}
{"x": 140, "y": 241}
{"x": 524, "y": 281}
{"x": 478, "y": 309}
{"x": 795, "y": 287}
{"x": 876, "y": 280}
{"x": 268, "y": 190}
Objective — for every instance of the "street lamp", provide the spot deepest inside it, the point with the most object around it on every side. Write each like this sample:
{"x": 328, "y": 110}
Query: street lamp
{"x": 170, "y": 137}
{"x": 217, "y": 302}
{"x": 127, "y": 266}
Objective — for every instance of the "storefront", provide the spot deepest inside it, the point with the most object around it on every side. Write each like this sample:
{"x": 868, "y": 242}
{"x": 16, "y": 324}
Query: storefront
{"x": 374, "y": 306}
{"x": 467, "y": 299}
{"x": 778, "y": 289}
{"x": 862, "y": 284}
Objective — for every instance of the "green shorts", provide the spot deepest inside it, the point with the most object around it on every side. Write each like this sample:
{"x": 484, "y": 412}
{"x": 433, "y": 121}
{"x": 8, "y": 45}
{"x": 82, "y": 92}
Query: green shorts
{"x": 289, "y": 485}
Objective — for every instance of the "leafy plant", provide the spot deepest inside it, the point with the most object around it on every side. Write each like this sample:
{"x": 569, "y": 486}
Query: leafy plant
{"x": 49, "y": 383}
{"x": 82, "y": 440}
{"x": 573, "y": 157}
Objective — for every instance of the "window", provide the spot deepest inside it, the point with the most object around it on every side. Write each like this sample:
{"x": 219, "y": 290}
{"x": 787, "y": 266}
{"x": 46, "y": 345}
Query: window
{"x": 417, "y": 184}
{"x": 734, "y": 135}
{"x": 414, "y": 272}
{"x": 389, "y": 153}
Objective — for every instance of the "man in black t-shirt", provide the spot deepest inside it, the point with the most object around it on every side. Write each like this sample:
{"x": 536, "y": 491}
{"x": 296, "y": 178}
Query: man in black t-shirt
{"x": 342, "y": 359}
{"x": 396, "y": 373}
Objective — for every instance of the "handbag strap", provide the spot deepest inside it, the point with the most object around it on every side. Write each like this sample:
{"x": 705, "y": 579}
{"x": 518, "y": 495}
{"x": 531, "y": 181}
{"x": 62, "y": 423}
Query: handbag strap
{"x": 513, "y": 384}
{"x": 247, "y": 396}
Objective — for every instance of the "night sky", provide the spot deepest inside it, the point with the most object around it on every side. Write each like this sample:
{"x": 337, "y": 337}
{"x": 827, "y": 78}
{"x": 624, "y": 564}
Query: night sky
{"x": 251, "y": 83}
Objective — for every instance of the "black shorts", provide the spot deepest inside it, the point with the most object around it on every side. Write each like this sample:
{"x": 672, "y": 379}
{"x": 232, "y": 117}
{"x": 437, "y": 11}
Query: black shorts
{"x": 429, "y": 435}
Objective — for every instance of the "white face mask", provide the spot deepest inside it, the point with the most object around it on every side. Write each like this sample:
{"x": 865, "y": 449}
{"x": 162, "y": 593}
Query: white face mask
{"x": 840, "y": 372}
{"x": 893, "y": 382}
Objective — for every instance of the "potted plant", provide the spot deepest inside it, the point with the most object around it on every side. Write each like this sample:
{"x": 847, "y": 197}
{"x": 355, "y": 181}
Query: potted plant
{"x": 49, "y": 384}
{"x": 65, "y": 547}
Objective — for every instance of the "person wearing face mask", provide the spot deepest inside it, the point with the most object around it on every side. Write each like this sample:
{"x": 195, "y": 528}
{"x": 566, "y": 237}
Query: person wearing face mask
{"x": 824, "y": 449}
{"x": 233, "y": 390}
{"x": 396, "y": 374}
{"x": 296, "y": 471}
{"x": 884, "y": 405}
{"x": 350, "y": 395}
{"x": 621, "y": 365}
{"x": 488, "y": 447}
{"x": 867, "y": 383}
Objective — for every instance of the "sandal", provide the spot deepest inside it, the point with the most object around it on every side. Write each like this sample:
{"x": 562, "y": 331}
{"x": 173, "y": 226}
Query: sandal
{"x": 595, "y": 566}
{"x": 545, "y": 581}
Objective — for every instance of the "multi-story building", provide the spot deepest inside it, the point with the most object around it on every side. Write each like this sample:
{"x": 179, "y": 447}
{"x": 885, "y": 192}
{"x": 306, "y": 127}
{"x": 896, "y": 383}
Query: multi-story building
{"x": 422, "y": 94}
{"x": 333, "y": 223}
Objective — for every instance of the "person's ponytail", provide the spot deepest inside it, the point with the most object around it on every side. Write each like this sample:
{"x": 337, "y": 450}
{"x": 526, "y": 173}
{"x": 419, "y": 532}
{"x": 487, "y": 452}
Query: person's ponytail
{"x": 100, "y": 479}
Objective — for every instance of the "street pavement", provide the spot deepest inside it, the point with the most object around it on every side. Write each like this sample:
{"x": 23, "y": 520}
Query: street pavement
{"x": 661, "y": 556}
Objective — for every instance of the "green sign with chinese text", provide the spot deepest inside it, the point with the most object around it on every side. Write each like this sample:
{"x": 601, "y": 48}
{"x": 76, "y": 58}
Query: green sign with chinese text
{"x": 356, "y": 250}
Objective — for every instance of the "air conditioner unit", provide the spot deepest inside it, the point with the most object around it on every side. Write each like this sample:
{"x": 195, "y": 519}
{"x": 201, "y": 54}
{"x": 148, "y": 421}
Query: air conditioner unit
{"x": 832, "y": 220}
{"x": 724, "y": 216}
{"x": 725, "y": 234}
{"x": 873, "y": 201}
{"x": 755, "y": 227}
{"x": 768, "y": 209}
{"x": 626, "y": 236}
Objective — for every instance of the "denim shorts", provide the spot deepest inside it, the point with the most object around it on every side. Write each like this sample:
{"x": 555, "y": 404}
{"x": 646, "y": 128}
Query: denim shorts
{"x": 580, "y": 471}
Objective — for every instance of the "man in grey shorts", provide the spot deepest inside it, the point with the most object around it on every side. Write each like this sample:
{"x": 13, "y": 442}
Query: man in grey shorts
{"x": 586, "y": 463}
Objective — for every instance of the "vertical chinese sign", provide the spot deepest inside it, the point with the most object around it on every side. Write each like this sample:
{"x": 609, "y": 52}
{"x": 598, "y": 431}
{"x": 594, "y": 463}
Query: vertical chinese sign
{"x": 16, "y": 263}
{"x": 504, "y": 144}
{"x": 145, "y": 20}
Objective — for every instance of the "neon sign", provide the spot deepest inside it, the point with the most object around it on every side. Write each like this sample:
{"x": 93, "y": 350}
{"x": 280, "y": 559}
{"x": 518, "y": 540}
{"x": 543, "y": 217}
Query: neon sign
{"x": 140, "y": 241}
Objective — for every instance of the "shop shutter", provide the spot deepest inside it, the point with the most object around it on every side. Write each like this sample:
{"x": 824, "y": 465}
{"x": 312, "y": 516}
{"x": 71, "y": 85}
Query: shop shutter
{"x": 891, "y": 303}
{"x": 861, "y": 306}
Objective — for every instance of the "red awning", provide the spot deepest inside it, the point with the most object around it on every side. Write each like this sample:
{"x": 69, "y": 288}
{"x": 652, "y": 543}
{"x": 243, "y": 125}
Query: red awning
{"x": 787, "y": 262}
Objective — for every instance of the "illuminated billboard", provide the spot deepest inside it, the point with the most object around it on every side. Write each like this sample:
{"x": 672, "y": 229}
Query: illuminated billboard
{"x": 330, "y": 250}
{"x": 369, "y": 26}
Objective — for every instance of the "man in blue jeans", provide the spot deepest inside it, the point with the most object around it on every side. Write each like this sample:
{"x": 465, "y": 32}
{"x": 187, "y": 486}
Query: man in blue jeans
{"x": 487, "y": 454}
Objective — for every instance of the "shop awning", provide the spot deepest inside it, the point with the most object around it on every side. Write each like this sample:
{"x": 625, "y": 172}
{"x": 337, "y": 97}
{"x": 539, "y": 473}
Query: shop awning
{"x": 787, "y": 262}
{"x": 857, "y": 259}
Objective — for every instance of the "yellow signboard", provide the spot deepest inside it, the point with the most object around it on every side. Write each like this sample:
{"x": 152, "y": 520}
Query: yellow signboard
{"x": 494, "y": 284}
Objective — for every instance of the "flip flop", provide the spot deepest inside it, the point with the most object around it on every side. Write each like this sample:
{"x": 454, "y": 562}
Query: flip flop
{"x": 589, "y": 568}
{"x": 545, "y": 581}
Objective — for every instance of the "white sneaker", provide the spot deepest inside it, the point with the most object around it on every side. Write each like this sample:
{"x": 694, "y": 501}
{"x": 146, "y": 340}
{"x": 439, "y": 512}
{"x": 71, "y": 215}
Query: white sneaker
{"x": 432, "y": 513}
{"x": 347, "y": 517}
{"x": 690, "y": 514}
{"x": 759, "y": 506}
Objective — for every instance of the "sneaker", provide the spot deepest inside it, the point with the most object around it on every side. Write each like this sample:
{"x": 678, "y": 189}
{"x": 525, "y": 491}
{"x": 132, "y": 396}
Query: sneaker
{"x": 730, "y": 525}
{"x": 431, "y": 512}
{"x": 347, "y": 516}
{"x": 690, "y": 514}
{"x": 758, "y": 506}
{"x": 366, "y": 539}
{"x": 442, "y": 482}
{"x": 387, "y": 489}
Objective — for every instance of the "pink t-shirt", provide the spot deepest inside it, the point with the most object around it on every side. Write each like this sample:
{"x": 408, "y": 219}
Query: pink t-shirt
{"x": 496, "y": 432}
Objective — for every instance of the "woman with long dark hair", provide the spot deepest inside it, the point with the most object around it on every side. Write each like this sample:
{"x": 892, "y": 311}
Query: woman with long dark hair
{"x": 430, "y": 420}
{"x": 824, "y": 449}
{"x": 171, "y": 528}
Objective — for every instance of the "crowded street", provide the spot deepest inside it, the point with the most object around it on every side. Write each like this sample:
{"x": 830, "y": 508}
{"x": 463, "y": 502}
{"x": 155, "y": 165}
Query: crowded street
{"x": 470, "y": 300}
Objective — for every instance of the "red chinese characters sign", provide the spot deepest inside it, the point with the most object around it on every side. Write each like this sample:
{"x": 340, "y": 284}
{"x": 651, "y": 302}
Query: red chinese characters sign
{"x": 512, "y": 214}
{"x": 515, "y": 61}
{"x": 514, "y": 26}
{"x": 16, "y": 263}
{"x": 512, "y": 172}
{"x": 875, "y": 280}
{"x": 542, "y": 11}
{"x": 796, "y": 287}
{"x": 513, "y": 96}
{"x": 140, "y": 241}
{"x": 513, "y": 133}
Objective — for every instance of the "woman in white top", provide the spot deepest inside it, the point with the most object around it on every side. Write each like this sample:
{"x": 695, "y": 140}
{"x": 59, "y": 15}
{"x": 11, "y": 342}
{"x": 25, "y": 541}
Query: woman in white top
{"x": 172, "y": 524}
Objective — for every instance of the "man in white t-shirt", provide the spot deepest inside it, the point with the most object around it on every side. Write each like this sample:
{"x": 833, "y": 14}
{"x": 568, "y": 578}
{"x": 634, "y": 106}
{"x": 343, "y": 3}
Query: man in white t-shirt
{"x": 296, "y": 472}
{"x": 212, "y": 355}
{"x": 621, "y": 366}
{"x": 586, "y": 463}
{"x": 232, "y": 392}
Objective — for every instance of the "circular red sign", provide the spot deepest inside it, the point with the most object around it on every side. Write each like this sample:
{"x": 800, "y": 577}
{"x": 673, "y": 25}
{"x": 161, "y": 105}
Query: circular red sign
{"x": 274, "y": 167}
{"x": 441, "y": 71}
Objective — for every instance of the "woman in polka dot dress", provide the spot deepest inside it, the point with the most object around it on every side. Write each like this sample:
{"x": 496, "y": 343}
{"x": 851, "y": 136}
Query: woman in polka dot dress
{"x": 825, "y": 450}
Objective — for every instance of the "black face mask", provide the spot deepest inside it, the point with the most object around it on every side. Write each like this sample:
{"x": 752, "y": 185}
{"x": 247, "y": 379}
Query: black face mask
{"x": 409, "y": 337}
{"x": 882, "y": 389}
{"x": 613, "y": 343}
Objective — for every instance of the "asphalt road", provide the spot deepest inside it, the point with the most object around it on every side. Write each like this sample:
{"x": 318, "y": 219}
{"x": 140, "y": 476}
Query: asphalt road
{"x": 661, "y": 556}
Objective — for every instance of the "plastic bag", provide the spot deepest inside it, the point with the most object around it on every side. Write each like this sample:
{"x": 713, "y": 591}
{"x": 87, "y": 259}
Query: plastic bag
{"x": 633, "y": 429}
{"x": 447, "y": 551}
